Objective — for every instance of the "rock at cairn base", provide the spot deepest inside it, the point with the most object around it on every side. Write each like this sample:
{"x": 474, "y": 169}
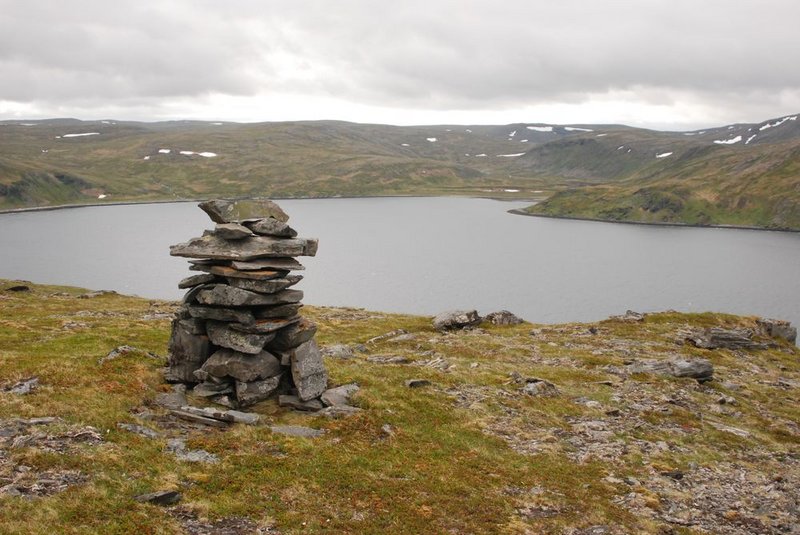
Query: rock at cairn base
{"x": 238, "y": 336}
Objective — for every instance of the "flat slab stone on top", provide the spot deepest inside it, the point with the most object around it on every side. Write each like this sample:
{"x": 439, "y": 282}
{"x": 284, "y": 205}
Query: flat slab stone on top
{"x": 223, "y": 211}
{"x": 245, "y": 249}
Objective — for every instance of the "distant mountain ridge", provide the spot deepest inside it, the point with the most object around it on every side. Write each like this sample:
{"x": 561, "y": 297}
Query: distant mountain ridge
{"x": 742, "y": 174}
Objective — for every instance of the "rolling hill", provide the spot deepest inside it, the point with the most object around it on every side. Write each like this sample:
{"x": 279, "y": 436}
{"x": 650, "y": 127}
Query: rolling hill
{"x": 743, "y": 174}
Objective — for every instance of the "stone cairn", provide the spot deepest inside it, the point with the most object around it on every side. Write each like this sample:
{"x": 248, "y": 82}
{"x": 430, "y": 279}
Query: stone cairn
{"x": 238, "y": 337}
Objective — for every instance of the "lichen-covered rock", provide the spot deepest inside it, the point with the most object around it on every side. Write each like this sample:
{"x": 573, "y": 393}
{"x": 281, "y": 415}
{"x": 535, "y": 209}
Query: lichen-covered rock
{"x": 503, "y": 317}
{"x": 241, "y": 366}
{"x": 224, "y": 211}
{"x": 187, "y": 353}
{"x": 456, "y": 319}
{"x": 308, "y": 371}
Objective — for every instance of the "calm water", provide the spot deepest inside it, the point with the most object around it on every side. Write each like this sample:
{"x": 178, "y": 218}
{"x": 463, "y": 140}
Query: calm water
{"x": 425, "y": 255}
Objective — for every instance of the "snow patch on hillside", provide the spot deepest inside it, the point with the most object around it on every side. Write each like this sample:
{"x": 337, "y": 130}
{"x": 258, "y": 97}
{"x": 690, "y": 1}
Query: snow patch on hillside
{"x": 778, "y": 122}
{"x": 731, "y": 141}
{"x": 576, "y": 129}
{"x": 510, "y": 155}
{"x": 540, "y": 128}
{"x": 82, "y": 134}
{"x": 663, "y": 155}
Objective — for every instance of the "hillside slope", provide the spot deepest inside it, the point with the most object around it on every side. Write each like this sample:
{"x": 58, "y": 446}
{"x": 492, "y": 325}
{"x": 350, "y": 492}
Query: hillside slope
{"x": 522, "y": 429}
{"x": 744, "y": 174}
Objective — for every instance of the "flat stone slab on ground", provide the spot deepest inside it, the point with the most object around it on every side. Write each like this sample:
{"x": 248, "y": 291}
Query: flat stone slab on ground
{"x": 198, "y": 419}
{"x": 294, "y": 402}
{"x": 161, "y": 497}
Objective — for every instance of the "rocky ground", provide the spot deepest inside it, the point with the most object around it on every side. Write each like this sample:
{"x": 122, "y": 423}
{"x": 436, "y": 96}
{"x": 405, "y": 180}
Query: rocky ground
{"x": 620, "y": 426}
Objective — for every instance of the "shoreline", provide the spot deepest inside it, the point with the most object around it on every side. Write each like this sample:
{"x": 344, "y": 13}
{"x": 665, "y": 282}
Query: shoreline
{"x": 516, "y": 211}
{"x": 199, "y": 199}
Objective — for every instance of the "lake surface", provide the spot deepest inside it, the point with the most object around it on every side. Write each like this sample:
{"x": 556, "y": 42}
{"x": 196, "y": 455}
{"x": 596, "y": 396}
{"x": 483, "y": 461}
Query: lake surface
{"x": 426, "y": 255}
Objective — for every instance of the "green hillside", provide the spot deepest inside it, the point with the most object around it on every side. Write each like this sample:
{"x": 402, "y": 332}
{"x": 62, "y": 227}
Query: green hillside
{"x": 522, "y": 429}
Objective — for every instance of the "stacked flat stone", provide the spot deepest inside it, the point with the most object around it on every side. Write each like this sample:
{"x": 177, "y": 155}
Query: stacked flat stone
{"x": 239, "y": 337}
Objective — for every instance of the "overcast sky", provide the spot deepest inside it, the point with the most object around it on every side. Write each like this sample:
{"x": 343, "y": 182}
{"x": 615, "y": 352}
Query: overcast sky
{"x": 676, "y": 64}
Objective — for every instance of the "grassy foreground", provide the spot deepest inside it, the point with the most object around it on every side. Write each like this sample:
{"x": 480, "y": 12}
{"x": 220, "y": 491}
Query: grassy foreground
{"x": 612, "y": 452}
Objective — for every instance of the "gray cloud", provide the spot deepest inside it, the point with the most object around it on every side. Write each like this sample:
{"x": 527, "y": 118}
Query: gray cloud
{"x": 423, "y": 54}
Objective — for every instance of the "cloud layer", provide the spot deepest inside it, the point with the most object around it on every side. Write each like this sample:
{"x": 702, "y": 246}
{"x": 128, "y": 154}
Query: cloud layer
{"x": 677, "y": 61}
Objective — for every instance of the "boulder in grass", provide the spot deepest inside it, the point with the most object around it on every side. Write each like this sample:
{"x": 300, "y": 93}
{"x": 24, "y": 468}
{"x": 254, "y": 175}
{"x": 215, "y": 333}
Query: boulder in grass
{"x": 456, "y": 319}
{"x": 503, "y": 317}
{"x": 308, "y": 371}
{"x": 779, "y": 329}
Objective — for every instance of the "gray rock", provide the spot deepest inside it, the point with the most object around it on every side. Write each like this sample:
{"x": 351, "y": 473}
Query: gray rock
{"x": 338, "y": 351}
{"x": 780, "y": 329}
{"x": 223, "y": 336}
{"x": 264, "y": 326}
{"x": 191, "y": 296}
{"x": 715, "y": 337}
{"x": 177, "y": 446}
{"x": 456, "y": 319}
{"x": 196, "y": 280}
{"x": 503, "y": 317}
{"x": 254, "y": 391}
{"x": 139, "y": 430}
{"x": 280, "y": 264}
{"x": 221, "y": 314}
{"x": 17, "y": 288}
{"x": 417, "y": 383}
{"x": 297, "y": 431}
{"x": 23, "y": 387}
{"x": 700, "y": 369}
{"x": 232, "y": 231}
{"x": 294, "y": 402}
{"x": 172, "y": 400}
{"x": 293, "y": 335}
{"x": 245, "y": 249}
{"x": 539, "y": 387}
{"x": 338, "y": 396}
{"x": 388, "y": 359}
{"x": 265, "y": 286}
{"x": 224, "y": 211}
{"x": 210, "y": 389}
{"x": 226, "y": 401}
{"x": 193, "y": 325}
{"x": 242, "y": 367}
{"x": 339, "y": 411}
{"x": 223, "y": 415}
{"x": 161, "y": 497}
{"x": 198, "y": 419}
{"x": 187, "y": 352}
{"x": 277, "y": 311}
{"x": 308, "y": 371}
{"x": 271, "y": 227}
{"x": 229, "y": 272}
{"x": 227, "y": 296}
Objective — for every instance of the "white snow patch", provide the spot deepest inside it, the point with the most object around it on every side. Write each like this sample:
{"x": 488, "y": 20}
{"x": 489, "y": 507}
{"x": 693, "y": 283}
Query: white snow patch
{"x": 541, "y": 128}
{"x": 164, "y": 151}
{"x": 731, "y": 141}
{"x": 27, "y": 124}
{"x": 431, "y": 139}
{"x": 601, "y": 135}
{"x": 217, "y": 124}
{"x": 523, "y": 140}
{"x": 467, "y": 154}
{"x": 576, "y": 129}
{"x": 621, "y": 147}
{"x": 779, "y": 122}
{"x": 663, "y": 155}
{"x": 750, "y": 139}
{"x": 83, "y": 134}
{"x": 187, "y": 152}
{"x": 102, "y": 196}
{"x": 701, "y": 133}
{"x": 468, "y": 131}
{"x": 404, "y": 145}
{"x": 44, "y": 150}
{"x": 448, "y": 130}
{"x": 689, "y": 133}
{"x": 106, "y": 122}
{"x": 481, "y": 155}
{"x": 512, "y": 134}
{"x": 511, "y": 190}
{"x": 730, "y": 127}
{"x": 510, "y": 155}
{"x": 207, "y": 154}
{"x": 146, "y": 158}
{"x": 538, "y": 191}
{"x": 629, "y": 150}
